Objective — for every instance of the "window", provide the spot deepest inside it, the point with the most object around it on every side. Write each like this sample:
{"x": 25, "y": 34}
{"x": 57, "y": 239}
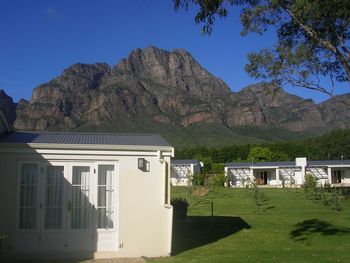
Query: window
{"x": 28, "y": 195}
{"x": 105, "y": 200}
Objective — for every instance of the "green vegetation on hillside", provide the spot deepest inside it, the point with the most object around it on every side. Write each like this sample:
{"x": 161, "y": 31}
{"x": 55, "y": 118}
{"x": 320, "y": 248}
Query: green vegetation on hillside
{"x": 329, "y": 146}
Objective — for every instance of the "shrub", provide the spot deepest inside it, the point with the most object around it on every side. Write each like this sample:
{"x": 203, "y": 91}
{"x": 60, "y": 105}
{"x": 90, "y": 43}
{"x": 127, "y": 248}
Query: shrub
{"x": 219, "y": 180}
{"x": 309, "y": 185}
{"x": 259, "y": 197}
{"x": 198, "y": 179}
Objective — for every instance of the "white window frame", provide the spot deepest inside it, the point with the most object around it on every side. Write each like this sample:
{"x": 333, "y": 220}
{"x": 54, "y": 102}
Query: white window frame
{"x": 115, "y": 196}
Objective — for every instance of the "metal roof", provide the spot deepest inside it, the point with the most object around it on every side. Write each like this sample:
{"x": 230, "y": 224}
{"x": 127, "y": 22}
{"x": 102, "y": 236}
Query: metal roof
{"x": 184, "y": 162}
{"x": 261, "y": 164}
{"x": 329, "y": 162}
{"x": 238, "y": 165}
{"x": 279, "y": 164}
{"x": 80, "y": 138}
{"x": 286, "y": 164}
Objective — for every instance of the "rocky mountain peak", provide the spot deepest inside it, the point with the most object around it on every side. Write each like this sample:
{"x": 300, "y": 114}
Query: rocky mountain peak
{"x": 174, "y": 70}
{"x": 86, "y": 69}
{"x": 8, "y": 106}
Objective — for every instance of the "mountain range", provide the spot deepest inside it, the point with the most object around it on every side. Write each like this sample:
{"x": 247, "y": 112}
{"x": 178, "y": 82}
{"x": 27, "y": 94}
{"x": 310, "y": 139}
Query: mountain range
{"x": 170, "y": 93}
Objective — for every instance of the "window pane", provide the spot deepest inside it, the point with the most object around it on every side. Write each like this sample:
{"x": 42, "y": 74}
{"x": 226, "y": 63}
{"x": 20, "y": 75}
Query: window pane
{"x": 105, "y": 191}
{"x": 80, "y": 197}
{"x": 102, "y": 195}
{"x": 28, "y": 196}
{"x": 54, "y": 197}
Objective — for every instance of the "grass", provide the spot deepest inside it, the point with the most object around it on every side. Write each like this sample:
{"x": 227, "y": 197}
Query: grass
{"x": 286, "y": 228}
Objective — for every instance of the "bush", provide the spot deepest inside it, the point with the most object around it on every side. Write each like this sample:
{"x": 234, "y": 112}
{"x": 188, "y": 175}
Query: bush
{"x": 259, "y": 197}
{"x": 309, "y": 185}
{"x": 219, "y": 180}
{"x": 198, "y": 179}
{"x": 217, "y": 168}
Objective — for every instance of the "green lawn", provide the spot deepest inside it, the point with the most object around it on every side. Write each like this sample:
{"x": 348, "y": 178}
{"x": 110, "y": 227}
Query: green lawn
{"x": 288, "y": 228}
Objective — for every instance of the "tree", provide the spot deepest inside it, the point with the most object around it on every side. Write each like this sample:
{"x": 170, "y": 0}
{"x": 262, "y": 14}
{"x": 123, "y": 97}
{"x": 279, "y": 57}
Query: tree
{"x": 312, "y": 38}
{"x": 264, "y": 154}
{"x": 260, "y": 154}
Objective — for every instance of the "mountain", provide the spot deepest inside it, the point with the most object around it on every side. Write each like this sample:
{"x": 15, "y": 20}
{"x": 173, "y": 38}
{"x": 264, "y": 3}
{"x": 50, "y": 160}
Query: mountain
{"x": 153, "y": 90}
{"x": 7, "y": 106}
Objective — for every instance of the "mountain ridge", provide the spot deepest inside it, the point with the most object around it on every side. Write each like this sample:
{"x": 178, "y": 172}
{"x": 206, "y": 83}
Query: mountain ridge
{"x": 172, "y": 94}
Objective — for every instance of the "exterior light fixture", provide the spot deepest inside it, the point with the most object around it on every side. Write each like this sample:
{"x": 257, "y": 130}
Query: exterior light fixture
{"x": 142, "y": 164}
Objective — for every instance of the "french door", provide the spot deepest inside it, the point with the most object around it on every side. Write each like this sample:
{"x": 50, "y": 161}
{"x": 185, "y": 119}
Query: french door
{"x": 68, "y": 204}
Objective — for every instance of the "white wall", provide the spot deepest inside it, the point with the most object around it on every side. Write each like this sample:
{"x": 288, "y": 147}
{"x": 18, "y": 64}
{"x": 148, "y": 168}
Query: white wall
{"x": 346, "y": 178}
{"x": 144, "y": 220}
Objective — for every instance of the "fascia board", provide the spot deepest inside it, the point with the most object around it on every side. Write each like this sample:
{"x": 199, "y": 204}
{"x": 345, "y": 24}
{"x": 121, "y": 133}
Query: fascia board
{"x": 104, "y": 147}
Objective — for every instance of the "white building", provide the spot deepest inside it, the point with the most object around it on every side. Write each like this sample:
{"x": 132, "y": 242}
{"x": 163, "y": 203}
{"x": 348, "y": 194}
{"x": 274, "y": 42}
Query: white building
{"x": 290, "y": 173}
{"x": 183, "y": 170}
{"x": 65, "y": 195}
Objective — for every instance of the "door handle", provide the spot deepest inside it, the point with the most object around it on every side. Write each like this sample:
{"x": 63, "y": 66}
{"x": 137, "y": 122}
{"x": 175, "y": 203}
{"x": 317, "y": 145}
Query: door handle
{"x": 69, "y": 206}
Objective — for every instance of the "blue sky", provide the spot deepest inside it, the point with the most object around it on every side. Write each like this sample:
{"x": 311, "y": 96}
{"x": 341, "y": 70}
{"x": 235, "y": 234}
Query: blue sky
{"x": 39, "y": 39}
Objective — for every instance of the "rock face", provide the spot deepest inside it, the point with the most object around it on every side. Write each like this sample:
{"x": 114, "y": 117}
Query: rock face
{"x": 8, "y": 106}
{"x": 154, "y": 88}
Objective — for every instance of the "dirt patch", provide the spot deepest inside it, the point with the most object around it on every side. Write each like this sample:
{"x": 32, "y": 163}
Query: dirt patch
{"x": 201, "y": 191}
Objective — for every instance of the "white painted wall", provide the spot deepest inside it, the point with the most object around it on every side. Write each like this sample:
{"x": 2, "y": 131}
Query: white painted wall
{"x": 144, "y": 217}
{"x": 346, "y": 178}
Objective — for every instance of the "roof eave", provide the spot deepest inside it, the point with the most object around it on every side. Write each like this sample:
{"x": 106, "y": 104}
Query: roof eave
{"x": 88, "y": 146}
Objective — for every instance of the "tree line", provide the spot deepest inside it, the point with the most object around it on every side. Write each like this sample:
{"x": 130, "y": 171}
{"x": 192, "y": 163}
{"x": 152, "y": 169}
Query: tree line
{"x": 332, "y": 146}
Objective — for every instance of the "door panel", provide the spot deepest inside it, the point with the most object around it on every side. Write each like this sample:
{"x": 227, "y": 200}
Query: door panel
{"x": 54, "y": 185}
{"x": 80, "y": 201}
{"x": 106, "y": 218}
{"x": 54, "y": 182}
{"x": 79, "y": 208}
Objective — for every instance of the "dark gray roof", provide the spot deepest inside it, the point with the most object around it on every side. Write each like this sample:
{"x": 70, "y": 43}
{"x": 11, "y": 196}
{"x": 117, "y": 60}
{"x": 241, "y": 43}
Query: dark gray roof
{"x": 261, "y": 164}
{"x": 287, "y": 164}
{"x": 238, "y": 165}
{"x": 279, "y": 164}
{"x": 329, "y": 162}
{"x": 184, "y": 162}
{"x": 85, "y": 138}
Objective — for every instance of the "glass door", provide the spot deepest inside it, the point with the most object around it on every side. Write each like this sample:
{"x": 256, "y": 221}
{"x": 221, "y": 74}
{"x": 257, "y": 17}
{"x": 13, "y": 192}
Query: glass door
{"x": 53, "y": 206}
{"x": 106, "y": 206}
{"x": 80, "y": 207}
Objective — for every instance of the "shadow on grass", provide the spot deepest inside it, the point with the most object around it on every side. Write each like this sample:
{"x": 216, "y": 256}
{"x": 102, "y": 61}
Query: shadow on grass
{"x": 198, "y": 231}
{"x": 305, "y": 229}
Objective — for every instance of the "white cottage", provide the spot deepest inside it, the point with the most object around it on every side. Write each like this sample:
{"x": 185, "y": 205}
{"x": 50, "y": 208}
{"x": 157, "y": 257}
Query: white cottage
{"x": 183, "y": 170}
{"x": 91, "y": 195}
{"x": 290, "y": 173}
